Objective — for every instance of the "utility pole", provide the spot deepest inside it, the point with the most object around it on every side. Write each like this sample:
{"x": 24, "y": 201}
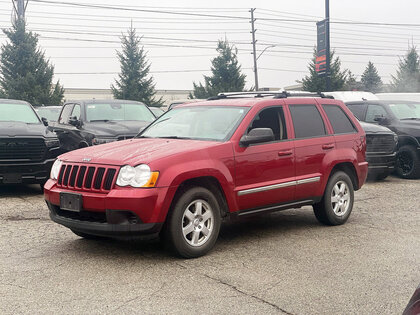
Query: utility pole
{"x": 254, "y": 42}
{"x": 20, "y": 7}
{"x": 327, "y": 31}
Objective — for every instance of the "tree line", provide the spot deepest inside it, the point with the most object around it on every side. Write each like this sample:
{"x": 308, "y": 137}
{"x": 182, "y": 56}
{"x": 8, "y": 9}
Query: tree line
{"x": 27, "y": 74}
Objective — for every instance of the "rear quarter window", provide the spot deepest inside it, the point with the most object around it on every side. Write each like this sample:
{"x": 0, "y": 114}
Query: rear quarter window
{"x": 339, "y": 120}
{"x": 307, "y": 121}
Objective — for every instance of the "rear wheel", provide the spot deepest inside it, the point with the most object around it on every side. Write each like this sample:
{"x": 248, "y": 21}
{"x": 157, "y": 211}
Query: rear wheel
{"x": 193, "y": 225}
{"x": 337, "y": 202}
{"x": 408, "y": 162}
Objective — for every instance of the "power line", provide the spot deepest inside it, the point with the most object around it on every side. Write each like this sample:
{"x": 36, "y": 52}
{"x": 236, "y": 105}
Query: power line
{"x": 121, "y": 8}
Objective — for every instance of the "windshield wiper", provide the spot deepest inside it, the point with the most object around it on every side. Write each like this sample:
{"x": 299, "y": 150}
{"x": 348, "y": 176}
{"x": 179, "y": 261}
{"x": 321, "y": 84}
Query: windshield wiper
{"x": 410, "y": 118}
{"x": 104, "y": 120}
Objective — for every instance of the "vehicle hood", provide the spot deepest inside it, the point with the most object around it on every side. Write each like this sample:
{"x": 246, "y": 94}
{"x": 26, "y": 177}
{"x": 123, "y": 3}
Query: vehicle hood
{"x": 410, "y": 127}
{"x": 20, "y": 129}
{"x": 373, "y": 128}
{"x": 114, "y": 128}
{"x": 136, "y": 151}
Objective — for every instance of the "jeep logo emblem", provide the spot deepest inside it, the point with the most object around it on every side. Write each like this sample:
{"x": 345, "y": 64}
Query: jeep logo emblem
{"x": 86, "y": 159}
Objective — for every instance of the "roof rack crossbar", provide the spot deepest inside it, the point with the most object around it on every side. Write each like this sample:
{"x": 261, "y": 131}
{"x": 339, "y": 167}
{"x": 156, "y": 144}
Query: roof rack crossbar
{"x": 283, "y": 94}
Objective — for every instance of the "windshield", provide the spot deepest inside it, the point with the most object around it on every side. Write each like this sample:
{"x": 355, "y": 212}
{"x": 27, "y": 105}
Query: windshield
{"x": 18, "y": 112}
{"x": 406, "y": 110}
{"x": 50, "y": 113}
{"x": 197, "y": 122}
{"x": 113, "y": 111}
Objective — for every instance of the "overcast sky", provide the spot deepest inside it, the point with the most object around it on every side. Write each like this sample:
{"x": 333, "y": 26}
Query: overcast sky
{"x": 81, "y": 42}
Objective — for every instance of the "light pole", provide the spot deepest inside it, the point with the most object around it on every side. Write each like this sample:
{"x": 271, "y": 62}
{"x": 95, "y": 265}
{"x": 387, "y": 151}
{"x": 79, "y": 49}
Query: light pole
{"x": 271, "y": 46}
{"x": 255, "y": 65}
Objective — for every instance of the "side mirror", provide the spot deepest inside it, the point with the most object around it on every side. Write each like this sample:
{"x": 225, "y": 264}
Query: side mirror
{"x": 382, "y": 120}
{"x": 44, "y": 121}
{"x": 257, "y": 135}
{"x": 74, "y": 121}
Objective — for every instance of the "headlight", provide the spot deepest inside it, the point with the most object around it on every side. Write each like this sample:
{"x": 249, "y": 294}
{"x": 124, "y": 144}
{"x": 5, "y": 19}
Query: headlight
{"x": 52, "y": 143}
{"x": 55, "y": 170}
{"x": 396, "y": 138}
{"x": 102, "y": 140}
{"x": 139, "y": 176}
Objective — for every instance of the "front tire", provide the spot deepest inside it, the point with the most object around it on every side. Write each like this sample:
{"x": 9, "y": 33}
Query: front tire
{"x": 193, "y": 224}
{"x": 337, "y": 202}
{"x": 408, "y": 162}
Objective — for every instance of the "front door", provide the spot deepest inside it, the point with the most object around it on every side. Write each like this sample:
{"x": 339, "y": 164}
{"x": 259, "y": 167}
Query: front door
{"x": 264, "y": 172}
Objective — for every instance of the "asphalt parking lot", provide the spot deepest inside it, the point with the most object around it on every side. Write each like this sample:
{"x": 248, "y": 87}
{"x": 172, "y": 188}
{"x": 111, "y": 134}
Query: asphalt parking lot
{"x": 279, "y": 263}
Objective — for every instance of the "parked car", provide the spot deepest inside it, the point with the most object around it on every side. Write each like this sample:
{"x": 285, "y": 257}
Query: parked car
{"x": 157, "y": 111}
{"x": 381, "y": 150}
{"x": 51, "y": 113}
{"x": 402, "y": 117}
{"x": 92, "y": 122}
{"x": 201, "y": 162}
{"x": 186, "y": 101}
{"x": 27, "y": 148}
{"x": 381, "y": 141}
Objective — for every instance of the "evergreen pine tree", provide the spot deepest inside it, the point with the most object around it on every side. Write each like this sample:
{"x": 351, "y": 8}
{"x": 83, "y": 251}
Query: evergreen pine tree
{"x": 371, "y": 81}
{"x": 134, "y": 81}
{"x": 351, "y": 83}
{"x": 315, "y": 83}
{"x": 226, "y": 73}
{"x": 408, "y": 73}
{"x": 25, "y": 73}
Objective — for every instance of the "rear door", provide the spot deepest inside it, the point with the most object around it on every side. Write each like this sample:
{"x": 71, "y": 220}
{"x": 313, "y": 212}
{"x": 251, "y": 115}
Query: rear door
{"x": 312, "y": 143}
{"x": 265, "y": 172}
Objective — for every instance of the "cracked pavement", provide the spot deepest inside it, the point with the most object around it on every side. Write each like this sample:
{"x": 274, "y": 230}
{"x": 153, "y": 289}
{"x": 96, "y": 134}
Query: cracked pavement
{"x": 281, "y": 263}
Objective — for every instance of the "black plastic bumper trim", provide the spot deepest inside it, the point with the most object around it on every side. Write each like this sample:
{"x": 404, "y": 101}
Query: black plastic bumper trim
{"x": 126, "y": 230}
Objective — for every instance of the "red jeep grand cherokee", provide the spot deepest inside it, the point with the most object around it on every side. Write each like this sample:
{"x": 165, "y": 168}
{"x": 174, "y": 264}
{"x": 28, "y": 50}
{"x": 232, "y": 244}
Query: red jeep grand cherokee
{"x": 201, "y": 162}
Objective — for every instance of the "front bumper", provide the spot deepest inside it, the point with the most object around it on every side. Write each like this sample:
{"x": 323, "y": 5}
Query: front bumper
{"x": 25, "y": 173}
{"x": 120, "y": 213}
{"x": 113, "y": 223}
{"x": 379, "y": 163}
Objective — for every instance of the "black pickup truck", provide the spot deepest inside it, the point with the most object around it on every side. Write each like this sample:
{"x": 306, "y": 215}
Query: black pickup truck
{"x": 402, "y": 117}
{"x": 27, "y": 148}
{"x": 381, "y": 148}
{"x": 92, "y": 122}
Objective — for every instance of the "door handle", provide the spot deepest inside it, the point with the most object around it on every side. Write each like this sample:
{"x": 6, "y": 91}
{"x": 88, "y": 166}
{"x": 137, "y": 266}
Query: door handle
{"x": 285, "y": 153}
{"x": 327, "y": 146}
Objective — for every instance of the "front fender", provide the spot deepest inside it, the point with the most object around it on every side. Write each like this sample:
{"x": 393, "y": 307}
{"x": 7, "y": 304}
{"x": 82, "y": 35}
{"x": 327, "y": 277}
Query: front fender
{"x": 176, "y": 174}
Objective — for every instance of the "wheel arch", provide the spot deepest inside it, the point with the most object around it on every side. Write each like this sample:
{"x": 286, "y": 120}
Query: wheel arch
{"x": 209, "y": 182}
{"x": 407, "y": 140}
{"x": 349, "y": 169}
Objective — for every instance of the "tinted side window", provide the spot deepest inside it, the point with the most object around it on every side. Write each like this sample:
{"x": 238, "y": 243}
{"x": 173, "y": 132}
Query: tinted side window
{"x": 358, "y": 110}
{"x": 65, "y": 114}
{"x": 374, "y": 111}
{"x": 272, "y": 118}
{"x": 307, "y": 121}
{"x": 338, "y": 119}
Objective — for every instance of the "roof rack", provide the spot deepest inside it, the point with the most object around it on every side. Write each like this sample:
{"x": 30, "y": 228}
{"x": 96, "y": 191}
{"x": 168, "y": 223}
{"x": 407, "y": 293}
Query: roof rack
{"x": 276, "y": 94}
{"x": 286, "y": 94}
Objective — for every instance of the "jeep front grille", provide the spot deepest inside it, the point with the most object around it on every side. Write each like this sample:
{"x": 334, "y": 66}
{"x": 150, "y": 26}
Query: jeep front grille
{"x": 380, "y": 143}
{"x": 96, "y": 178}
{"x": 22, "y": 149}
